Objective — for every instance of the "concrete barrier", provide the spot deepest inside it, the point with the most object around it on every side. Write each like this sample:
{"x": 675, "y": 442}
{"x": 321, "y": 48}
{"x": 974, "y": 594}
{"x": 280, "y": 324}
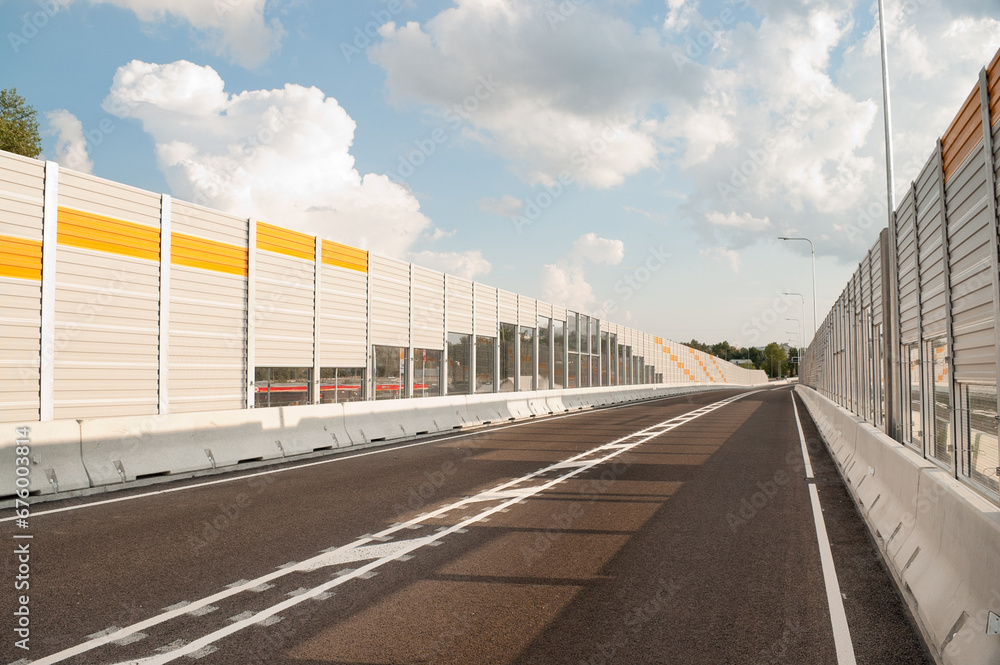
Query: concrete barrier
{"x": 940, "y": 539}
{"x": 118, "y": 450}
{"x": 106, "y": 452}
{"x": 54, "y": 460}
{"x": 311, "y": 428}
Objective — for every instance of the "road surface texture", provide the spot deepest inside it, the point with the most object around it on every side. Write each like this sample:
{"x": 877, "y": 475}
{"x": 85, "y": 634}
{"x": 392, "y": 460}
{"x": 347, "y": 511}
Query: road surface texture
{"x": 679, "y": 530}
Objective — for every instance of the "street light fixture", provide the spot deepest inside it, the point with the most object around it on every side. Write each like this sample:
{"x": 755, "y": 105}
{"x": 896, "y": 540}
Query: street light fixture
{"x": 812, "y": 250}
{"x": 802, "y": 307}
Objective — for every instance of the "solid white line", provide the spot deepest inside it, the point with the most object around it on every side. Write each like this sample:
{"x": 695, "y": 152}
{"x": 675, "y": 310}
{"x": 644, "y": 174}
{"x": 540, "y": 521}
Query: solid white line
{"x": 381, "y": 449}
{"x": 838, "y": 617}
{"x": 615, "y": 450}
{"x": 802, "y": 440}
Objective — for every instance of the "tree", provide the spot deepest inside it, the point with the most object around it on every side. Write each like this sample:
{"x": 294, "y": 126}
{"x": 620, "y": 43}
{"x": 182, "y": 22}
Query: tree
{"x": 774, "y": 360}
{"x": 18, "y": 125}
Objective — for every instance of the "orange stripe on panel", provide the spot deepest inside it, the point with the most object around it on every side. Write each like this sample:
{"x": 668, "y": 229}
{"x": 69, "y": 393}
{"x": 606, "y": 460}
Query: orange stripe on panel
{"x": 963, "y": 135}
{"x": 20, "y": 258}
{"x": 993, "y": 76}
{"x": 285, "y": 241}
{"x": 344, "y": 256}
{"x": 106, "y": 234}
{"x": 195, "y": 252}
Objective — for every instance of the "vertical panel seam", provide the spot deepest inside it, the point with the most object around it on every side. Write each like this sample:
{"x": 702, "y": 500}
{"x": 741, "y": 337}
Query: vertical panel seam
{"x": 50, "y": 216}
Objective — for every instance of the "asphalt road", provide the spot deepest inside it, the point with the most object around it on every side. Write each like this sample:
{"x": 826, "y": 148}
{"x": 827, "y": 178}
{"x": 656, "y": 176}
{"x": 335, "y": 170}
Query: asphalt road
{"x": 672, "y": 531}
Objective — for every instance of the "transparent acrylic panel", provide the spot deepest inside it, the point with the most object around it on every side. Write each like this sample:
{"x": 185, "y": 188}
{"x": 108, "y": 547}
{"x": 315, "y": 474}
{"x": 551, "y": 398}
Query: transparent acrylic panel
{"x": 584, "y": 371}
{"x": 559, "y": 351}
{"x": 544, "y": 348}
{"x": 390, "y": 372}
{"x": 486, "y": 348}
{"x": 508, "y": 361}
{"x": 527, "y": 370}
{"x": 981, "y": 448}
{"x": 459, "y": 363}
{"x": 916, "y": 401}
{"x": 426, "y": 372}
{"x": 341, "y": 384}
{"x": 572, "y": 370}
{"x": 941, "y": 406}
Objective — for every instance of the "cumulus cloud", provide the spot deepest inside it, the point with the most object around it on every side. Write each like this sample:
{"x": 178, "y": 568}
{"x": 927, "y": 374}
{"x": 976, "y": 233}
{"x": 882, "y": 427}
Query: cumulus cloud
{"x": 770, "y": 110}
{"x": 279, "y": 155}
{"x": 505, "y": 206}
{"x": 71, "y": 145}
{"x": 563, "y": 97}
{"x": 469, "y": 264}
{"x": 565, "y": 281}
{"x": 236, "y": 29}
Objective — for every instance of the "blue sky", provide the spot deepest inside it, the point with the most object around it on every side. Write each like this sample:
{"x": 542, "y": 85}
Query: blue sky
{"x": 585, "y": 152}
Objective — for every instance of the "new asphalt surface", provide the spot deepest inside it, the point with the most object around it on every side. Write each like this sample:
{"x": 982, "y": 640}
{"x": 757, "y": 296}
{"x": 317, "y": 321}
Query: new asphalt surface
{"x": 678, "y": 530}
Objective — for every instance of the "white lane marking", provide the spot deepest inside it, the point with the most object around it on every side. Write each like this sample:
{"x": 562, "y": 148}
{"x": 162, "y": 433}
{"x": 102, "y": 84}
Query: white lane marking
{"x": 378, "y": 451}
{"x": 802, "y": 441}
{"x": 366, "y": 571}
{"x": 838, "y": 618}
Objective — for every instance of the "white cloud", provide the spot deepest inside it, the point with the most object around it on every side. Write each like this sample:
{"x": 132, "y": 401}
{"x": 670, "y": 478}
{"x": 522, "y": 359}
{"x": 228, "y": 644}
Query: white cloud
{"x": 71, "y": 145}
{"x": 278, "y": 155}
{"x": 236, "y": 29}
{"x": 505, "y": 206}
{"x": 590, "y": 247}
{"x": 733, "y": 220}
{"x": 565, "y": 282}
{"x": 469, "y": 264}
{"x": 722, "y": 255}
{"x": 563, "y": 97}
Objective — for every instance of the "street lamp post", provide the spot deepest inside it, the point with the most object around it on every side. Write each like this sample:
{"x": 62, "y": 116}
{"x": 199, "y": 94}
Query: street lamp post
{"x": 812, "y": 250}
{"x": 802, "y": 307}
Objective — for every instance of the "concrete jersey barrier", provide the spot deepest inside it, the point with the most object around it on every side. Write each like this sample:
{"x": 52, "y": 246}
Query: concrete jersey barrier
{"x": 941, "y": 540}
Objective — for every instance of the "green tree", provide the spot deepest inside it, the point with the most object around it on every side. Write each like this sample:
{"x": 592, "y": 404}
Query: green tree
{"x": 774, "y": 360}
{"x": 18, "y": 125}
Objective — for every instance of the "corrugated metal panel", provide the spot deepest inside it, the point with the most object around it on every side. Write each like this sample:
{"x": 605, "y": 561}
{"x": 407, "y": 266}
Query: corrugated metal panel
{"x": 962, "y": 136}
{"x": 543, "y": 308}
{"x": 558, "y": 313}
{"x": 993, "y": 74}
{"x": 428, "y": 308}
{"x": 390, "y": 301}
{"x": 283, "y": 308}
{"x": 86, "y": 230}
{"x": 970, "y": 240}
{"x": 91, "y": 194}
{"x": 876, "y": 278}
{"x": 459, "y": 294}
{"x": 21, "y": 191}
{"x": 508, "y": 307}
{"x": 526, "y": 312}
{"x": 344, "y": 317}
{"x": 907, "y": 266}
{"x": 486, "y": 310}
{"x": 929, "y": 221}
{"x": 345, "y": 256}
{"x": 284, "y": 241}
{"x": 207, "y": 340}
{"x": 106, "y": 335}
{"x": 21, "y": 183}
{"x": 195, "y": 220}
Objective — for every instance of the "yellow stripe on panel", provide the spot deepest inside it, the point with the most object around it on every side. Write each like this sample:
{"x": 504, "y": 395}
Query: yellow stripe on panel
{"x": 285, "y": 241}
{"x": 105, "y": 234}
{"x": 195, "y": 252}
{"x": 343, "y": 256}
{"x": 20, "y": 258}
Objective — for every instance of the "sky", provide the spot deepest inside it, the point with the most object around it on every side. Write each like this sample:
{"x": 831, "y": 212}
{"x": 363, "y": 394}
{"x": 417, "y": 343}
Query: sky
{"x": 632, "y": 159}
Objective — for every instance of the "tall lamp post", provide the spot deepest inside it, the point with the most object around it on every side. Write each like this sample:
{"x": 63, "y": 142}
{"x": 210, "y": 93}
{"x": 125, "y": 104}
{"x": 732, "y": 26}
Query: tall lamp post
{"x": 803, "y": 310}
{"x": 812, "y": 250}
